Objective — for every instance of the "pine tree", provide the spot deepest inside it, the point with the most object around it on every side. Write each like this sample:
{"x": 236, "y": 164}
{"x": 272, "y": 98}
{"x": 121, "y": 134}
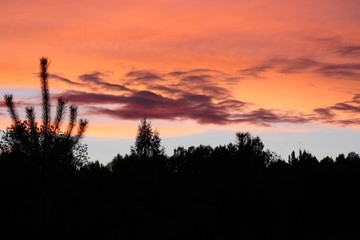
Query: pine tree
{"x": 46, "y": 146}
{"x": 148, "y": 141}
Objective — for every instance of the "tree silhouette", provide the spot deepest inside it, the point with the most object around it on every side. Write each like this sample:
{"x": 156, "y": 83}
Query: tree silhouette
{"x": 47, "y": 146}
{"x": 248, "y": 143}
{"x": 148, "y": 141}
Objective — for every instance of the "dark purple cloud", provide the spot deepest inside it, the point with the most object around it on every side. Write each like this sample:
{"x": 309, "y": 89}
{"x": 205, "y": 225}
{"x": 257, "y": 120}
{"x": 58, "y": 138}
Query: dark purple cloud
{"x": 166, "y": 90}
{"x": 203, "y": 84}
{"x": 195, "y": 79}
{"x": 345, "y": 122}
{"x": 232, "y": 105}
{"x": 84, "y": 98}
{"x": 266, "y": 117}
{"x": 142, "y": 77}
{"x": 216, "y": 92}
{"x": 256, "y": 70}
{"x": 296, "y": 65}
{"x": 350, "y": 50}
{"x": 356, "y": 99}
{"x": 282, "y": 65}
{"x": 198, "y": 94}
{"x": 308, "y": 65}
{"x": 93, "y": 77}
{"x": 96, "y": 78}
{"x": 343, "y": 71}
{"x": 335, "y": 113}
{"x": 193, "y": 71}
{"x": 339, "y": 46}
{"x": 346, "y": 107}
{"x": 200, "y": 108}
{"x": 324, "y": 113}
{"x": 148, "y": 104}
{"x": 65, "y": 80}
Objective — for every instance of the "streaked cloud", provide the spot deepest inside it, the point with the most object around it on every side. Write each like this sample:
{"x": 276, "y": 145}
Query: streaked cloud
{"x": 142, "y": 77}
{"x": 200, "y": 108}
{"x": 350, "y": 70}
{"x": 202, "y": 95}
{"x": 64, "y": 80}
{"x": 341, "y": 113}
{"x": 349, "y": 50}
{"x": 342, "y": 71}
{"x": 96, "y": 78}
{"x": 142, "y": 104}
{"x": 267, "y": 117}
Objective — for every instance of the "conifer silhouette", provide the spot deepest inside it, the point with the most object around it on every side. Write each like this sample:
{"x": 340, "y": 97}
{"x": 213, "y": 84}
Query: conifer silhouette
{"x": 148, "y": 142}
{"x": 47, "y": 145}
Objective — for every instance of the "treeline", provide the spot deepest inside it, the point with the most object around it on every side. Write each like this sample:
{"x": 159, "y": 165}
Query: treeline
{"x": 49, "y": 190}
{"x": 235, "y": 191}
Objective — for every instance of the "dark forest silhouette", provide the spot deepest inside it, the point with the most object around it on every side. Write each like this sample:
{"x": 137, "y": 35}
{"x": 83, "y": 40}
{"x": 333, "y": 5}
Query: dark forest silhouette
{"x": 235, "y": 191}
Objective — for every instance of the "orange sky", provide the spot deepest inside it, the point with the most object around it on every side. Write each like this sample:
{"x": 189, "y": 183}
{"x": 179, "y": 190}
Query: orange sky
{"x": 283, "y": 62}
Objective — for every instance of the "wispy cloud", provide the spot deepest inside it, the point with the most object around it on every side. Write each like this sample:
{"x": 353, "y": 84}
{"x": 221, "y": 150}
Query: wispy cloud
{"x": 165, "y": 90}
{"x": 282, "y": 65}
{"x": 203, "y": 95}
{"x": 304, "y": 65}
{"x": 96, "y": 78}
{"x": 267, "y": 117}
{"x": 324, "y": 113}
{"x": 343, "y": 71}
{"x": 349, "y": 50}
{"x": 200, "y": 108}
{"x": 65, "y": 80}
{"x": 85, "y": 98}
{"x": 148, "y": 104}
{"x": 195, "y": 81}
{"x": 195, "y": 71}
{"x": 142, "y": 77}
{"x": 342, "y": 113}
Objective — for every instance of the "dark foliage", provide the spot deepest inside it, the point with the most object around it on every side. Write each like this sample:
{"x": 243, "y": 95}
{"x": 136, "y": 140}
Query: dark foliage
{"x": 38, "y": 163}
{"x": 234, "y": 191}
{"x": 148, "y": 142}
{"x": 46, "y": 146}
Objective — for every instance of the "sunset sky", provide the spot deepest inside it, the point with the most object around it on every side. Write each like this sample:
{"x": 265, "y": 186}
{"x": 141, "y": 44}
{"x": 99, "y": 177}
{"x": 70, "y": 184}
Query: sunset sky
{"x": 287, "y": 71}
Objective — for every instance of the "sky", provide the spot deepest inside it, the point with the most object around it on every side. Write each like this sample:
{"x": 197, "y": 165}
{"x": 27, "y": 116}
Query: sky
{"x": 286, "y": 71}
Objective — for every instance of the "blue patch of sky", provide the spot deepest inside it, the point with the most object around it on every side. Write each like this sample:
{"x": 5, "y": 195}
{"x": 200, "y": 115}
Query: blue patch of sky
{"x": 321, "y": 142}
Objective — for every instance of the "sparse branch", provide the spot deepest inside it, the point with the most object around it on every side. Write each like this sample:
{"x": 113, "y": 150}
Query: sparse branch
{"x": 83, "y": 124}
{"x": 8, "y": 98}
{"x": 72, "y": 120}
{"x": 30, "y": 117}
{"x": 60, "y": 112}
